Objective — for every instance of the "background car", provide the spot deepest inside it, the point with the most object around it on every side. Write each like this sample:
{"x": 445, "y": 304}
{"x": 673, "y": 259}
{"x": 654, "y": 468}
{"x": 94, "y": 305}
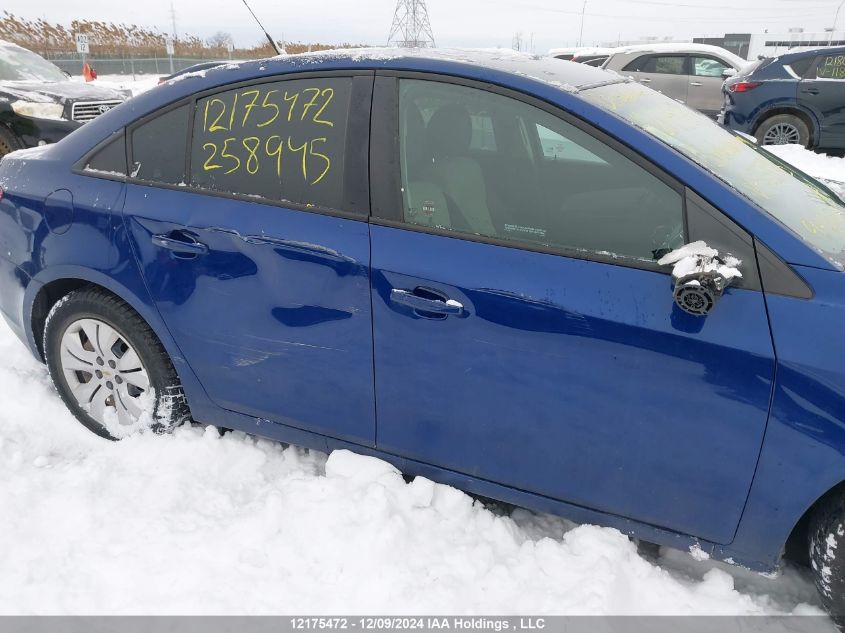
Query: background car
{"x": 40, "y": 104}
{"x": 474, "y": 289}
{"x": 565, "y": 53}
{"x": 690, "y": 73}
{"x": 191, "y": 69}
{"x": 795, "y": 98}
{"x": 592, "y": 56}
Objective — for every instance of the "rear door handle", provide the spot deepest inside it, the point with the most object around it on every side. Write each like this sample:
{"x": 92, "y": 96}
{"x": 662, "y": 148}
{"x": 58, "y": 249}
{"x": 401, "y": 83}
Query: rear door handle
{"x": 695, "y": 83}
{"x": 811, "y": 91}
{"x": 180, "y": 243}
{"x": 424, "y": 304}
{"x": 645, "y": 80}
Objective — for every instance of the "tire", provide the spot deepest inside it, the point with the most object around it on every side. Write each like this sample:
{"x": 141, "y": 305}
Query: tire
{"x": 8, "y": 143}
{"x": 129, "y": 393}
{"x": 782, "y": 129}
{"x": 827, "y": 556}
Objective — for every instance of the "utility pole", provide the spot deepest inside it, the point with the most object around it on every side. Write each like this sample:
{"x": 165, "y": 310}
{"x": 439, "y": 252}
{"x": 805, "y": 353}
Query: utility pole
{"x": 581, "y": 35}
{"x": 411, "y": 27}
{"x": 835, "y": 20}
{"x": 171, "y": 45}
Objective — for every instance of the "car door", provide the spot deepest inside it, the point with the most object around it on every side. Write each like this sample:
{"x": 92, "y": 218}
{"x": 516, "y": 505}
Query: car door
{"x": 524, "y": 334}
{"x": 823, "y": 91}
{"x": 705, "y": 83}
{"x": 257, "y": 256}
{"x": 668, "y": 74}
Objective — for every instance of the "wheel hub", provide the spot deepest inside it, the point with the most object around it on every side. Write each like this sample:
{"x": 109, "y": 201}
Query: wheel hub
{"x": 106, "y": 376}
{"x": 782, "y": 134}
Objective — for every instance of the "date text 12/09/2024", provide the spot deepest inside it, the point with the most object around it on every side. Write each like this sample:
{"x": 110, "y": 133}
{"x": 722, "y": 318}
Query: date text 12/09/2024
{"x": 420, "y": 623}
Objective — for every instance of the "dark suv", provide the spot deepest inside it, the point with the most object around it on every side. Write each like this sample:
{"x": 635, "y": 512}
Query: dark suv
{"x": 795, "y": 98}
{"x": 40, "y": 104}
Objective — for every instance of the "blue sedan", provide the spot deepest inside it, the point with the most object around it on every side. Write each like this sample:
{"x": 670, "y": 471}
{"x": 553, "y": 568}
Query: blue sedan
{"x": 533, "y": 280}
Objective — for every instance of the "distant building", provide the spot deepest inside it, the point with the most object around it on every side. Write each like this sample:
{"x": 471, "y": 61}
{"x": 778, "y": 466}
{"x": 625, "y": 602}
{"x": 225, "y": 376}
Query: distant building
{"x": 751, "y": 46}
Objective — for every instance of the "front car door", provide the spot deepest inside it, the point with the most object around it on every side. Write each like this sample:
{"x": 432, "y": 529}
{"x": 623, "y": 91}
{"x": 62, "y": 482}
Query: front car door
{"x": 668, "y": 74}
{"x": 524, "y": 334}
{"x": 256, "y": 248}
{"x": 823, "y": 91}
{"x": 705, "y": 84}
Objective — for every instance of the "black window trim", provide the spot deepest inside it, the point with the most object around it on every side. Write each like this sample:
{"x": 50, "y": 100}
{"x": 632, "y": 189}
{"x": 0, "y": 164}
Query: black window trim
{"x": 358, "y": 130}
{"x": 386, "y": 184}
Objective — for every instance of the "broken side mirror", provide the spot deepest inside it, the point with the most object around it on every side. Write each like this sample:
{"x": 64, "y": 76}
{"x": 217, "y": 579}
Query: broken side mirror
{"x": 700, "y": 276}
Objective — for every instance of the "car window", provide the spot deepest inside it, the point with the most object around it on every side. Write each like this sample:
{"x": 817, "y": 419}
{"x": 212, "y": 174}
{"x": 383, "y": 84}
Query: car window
{"x": 545, "y": 183}
{"x": 801, "y": 203}
{"x": 158, "y": 147}
{"x": 283, "y": 141}
{"x": 659, "y": 64}
{"x": 801, "y": 66}
{"x": 110, "y": 159}
{"x": 20, "y": 64}
{"x": 831, "y": 67}
{"x": 708, "y": 67}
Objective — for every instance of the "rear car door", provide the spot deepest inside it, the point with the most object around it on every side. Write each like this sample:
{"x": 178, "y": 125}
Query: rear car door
{"x": 823, "y": 91}
{"x": 524, "y": 334}
{"x": 247, "y": 208}
{"x": 705, "y": 84}
{"x": 668, "y": 74}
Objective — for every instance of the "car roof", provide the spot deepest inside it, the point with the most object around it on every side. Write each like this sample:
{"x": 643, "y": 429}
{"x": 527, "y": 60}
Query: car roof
{"x": 806, "y": 52}
{"x": 676, "y": 47}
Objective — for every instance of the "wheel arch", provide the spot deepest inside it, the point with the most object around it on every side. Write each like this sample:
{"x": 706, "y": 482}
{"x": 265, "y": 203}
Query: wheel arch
{"x": 791, "y": 109}
{"x": 54, "y": 283}
{"x": 795, "y": 548}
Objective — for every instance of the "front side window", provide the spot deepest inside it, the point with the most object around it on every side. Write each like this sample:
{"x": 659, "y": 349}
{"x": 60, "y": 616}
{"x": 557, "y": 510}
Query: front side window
{"x": 798, "y": 201}
{"x": 281, "y": 141}
{"x": 708, "y": 67}
{"x": 158, "y": 147}
{"x": 659, "y": 64}
{"x": 544, "y": 183}
{"x": 831, "y": 67}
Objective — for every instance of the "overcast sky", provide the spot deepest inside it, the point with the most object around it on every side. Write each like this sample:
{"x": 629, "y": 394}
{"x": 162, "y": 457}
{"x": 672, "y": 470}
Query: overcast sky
{"x": 455, "y": 22}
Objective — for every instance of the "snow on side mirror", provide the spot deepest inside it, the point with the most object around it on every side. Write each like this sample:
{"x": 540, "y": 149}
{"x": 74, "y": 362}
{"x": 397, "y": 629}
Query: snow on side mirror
{"x": 700, "y": 276}
{"x": 729, "y": 72}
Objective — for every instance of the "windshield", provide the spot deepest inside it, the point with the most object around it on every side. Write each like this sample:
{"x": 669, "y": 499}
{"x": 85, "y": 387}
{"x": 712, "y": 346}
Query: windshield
{"x": 19, "y": 64}
{"x": 800, "y": 202}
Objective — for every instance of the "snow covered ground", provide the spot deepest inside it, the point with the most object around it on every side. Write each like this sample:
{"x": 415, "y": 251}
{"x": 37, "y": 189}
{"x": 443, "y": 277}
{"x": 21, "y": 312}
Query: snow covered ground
{"x": 197, "y": 523}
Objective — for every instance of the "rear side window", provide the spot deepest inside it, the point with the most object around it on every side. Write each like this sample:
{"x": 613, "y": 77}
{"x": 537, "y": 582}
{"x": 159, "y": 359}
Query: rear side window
{"x": 158, "y": 147}
{"x": 281, "y": 141}
{"x": 801, "y": 66}
{"x": 659, "y": 64}
{"x": 110, "y": 159}
{"x": 831, "y": 67}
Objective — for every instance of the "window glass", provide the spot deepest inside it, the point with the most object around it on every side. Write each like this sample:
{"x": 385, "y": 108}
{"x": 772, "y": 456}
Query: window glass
{"x": 801, "y": 66}
{"x": 545, "y": 183}
{"x": 708, "y": 67}
{"x": 158, "y": 147}
{"x": 801, "y": 203}
{"x": 659, "y": 64}
{"x": 284, "y": 140}
{"x": 111, "y": 159}
{"x": 831, "y": 67}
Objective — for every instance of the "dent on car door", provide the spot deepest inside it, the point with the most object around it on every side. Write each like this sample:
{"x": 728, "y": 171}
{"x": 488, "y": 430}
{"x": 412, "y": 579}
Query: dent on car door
{"x": 823, "y": 91}
{"x": 523, "y": 332}
{"x": 257, "y": 257}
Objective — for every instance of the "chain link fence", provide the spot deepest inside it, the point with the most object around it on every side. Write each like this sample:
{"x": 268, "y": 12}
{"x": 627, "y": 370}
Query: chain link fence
{"x": 130, "y": 65}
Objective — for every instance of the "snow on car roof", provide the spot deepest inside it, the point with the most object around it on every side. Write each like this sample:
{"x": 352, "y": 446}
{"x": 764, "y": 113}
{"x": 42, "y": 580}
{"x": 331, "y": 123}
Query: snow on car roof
{"x": 682, "y": 47}
{"x": 564, "y": 75}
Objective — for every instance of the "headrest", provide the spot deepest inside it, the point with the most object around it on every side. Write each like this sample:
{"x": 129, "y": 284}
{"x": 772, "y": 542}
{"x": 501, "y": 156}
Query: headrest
{"x": 450, "y": 130}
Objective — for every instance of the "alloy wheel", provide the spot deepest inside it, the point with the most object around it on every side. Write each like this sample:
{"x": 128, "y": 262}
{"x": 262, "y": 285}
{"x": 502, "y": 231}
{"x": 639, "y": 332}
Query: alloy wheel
{"x": 782, "y": 134}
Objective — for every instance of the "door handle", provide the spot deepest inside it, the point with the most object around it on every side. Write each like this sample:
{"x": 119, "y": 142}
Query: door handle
{"x": 424, "y": 304}
{"x": 695, "y": 83}
{"x": 811, "y": 91}
{"x": 180, "y": 243}
{"x": 645, "y": 80}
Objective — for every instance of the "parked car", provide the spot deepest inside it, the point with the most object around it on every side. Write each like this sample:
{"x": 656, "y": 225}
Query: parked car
{"x": 486, "y": 288}
{"x": 592, "y": 56}
{"x": 691, "y": 73}
{"x": 41, "y": 104}
{"x": 565, "y": 54}
{"x": 795, "y": 98}
{"x": 191, "y": 69}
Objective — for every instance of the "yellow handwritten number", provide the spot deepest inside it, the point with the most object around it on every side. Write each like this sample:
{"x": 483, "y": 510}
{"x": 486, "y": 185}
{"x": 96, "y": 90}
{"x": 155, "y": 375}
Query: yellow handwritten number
{"x": 265, "y": 105}
{"x": 249, "y": 106}
{"x": 275, "y": 152}
{"x": 317, "y": 119}
{"x": 304, "y": 149}
{"x": 294, "y": 97}
{"x": 215, "y": 125}
{"x": 252, "y": 147}
{"x": 319, "y": 155}
{"x": 208, "y": 165}
{"x": 225, "y": 154}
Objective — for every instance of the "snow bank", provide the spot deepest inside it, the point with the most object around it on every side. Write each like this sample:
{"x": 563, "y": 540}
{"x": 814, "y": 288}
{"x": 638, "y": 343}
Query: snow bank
{"x": 196, "y": 523}
{"x": 827, "y": 168}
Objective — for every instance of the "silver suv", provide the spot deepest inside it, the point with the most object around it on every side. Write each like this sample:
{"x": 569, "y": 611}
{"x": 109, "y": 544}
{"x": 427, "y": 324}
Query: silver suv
{"x": 691, "y": 73}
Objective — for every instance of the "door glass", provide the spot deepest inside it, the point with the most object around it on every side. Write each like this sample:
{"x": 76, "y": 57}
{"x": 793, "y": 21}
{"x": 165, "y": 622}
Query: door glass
{"x": 284, "y": 140}
{"x": 158, "y": 148}
{"x": 659, "y": 64}
{"x": 543, "y": 182}
{"x": 708, "y": 67}
{"x": 831, "y": 67}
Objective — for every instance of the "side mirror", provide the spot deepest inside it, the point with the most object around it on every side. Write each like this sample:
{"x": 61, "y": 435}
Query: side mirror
{"x": 729, "y": 72}
{"x": 700, "y": 276}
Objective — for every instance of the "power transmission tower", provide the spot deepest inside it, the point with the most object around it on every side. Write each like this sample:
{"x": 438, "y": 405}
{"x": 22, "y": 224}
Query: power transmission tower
{"x": 411, "y": 27}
